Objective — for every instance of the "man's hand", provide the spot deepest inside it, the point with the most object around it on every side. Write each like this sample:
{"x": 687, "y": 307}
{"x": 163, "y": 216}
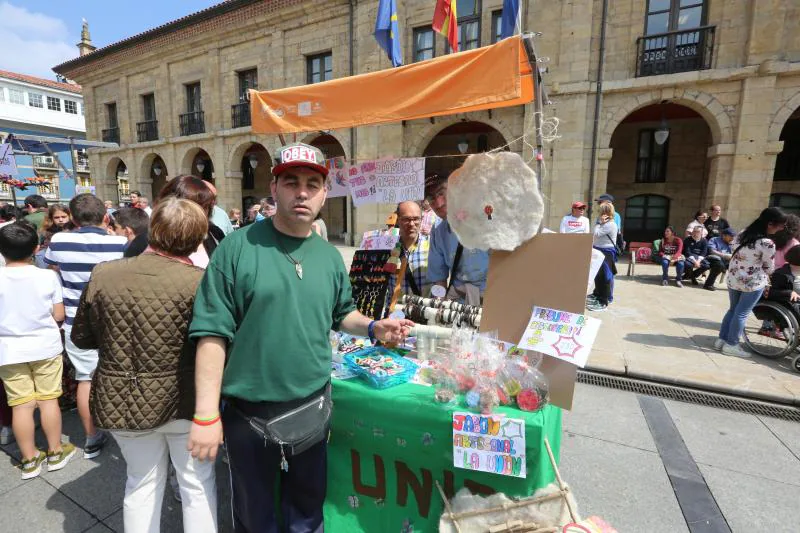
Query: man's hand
{"x": 794, "y": 297}
{"x": 393, "y": 330}
{"x": 204, "y": 441}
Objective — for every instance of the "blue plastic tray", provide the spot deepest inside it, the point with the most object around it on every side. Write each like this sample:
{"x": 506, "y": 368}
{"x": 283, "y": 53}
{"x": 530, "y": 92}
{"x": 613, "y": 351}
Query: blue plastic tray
{"x": 381, "y": 380}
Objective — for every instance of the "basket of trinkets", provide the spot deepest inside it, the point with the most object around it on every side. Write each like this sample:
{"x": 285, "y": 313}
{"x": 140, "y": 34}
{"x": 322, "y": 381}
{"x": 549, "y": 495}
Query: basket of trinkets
{"x": 381, "y": 367}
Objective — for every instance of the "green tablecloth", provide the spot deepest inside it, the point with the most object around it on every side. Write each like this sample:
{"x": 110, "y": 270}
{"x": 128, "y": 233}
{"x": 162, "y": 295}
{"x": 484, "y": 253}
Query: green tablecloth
{"x": 388, "y": 447}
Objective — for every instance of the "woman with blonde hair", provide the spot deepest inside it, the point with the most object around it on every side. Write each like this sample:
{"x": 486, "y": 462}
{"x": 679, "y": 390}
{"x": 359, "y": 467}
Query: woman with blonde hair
{"x": 136, "y": 313}
{"x": 605, "y": 241}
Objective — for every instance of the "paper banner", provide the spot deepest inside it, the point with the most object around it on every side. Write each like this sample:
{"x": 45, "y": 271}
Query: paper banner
{"x": 85, "y": 189}
{"x": 563, "y": 335}
{"x": 337, "y": 174}
{"x": 8, "y": 164}
{"x": 378, "y": 240}
{"x": 489, "y": 443}
{"x": 387, "y": 181}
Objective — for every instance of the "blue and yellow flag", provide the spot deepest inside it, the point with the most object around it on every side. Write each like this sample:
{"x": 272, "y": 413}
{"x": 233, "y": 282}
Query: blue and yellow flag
{"x": 387, "y": 31}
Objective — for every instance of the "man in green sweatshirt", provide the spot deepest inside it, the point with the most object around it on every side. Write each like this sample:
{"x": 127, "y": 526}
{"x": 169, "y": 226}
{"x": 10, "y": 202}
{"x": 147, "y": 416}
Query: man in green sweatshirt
{"x": 269, "y": 298}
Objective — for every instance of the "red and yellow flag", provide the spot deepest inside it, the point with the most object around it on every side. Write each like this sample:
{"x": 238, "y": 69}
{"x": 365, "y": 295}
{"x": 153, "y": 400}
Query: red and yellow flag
{"x": 445, "y": 21}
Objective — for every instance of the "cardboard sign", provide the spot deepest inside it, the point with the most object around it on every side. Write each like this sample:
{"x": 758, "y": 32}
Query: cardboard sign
{"x": 378, "y": 240}
{"x": 519, "y": 280}
{"x": 489, "y": 443}
{"x": 566, "y": 336}
{"x": 337, "y": 177}
{"x": 387, "y": 181}
{"x": 8, "y": 164}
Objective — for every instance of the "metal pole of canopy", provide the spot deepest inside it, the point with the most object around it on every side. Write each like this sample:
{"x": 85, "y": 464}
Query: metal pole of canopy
{"x": 538, "y": 97}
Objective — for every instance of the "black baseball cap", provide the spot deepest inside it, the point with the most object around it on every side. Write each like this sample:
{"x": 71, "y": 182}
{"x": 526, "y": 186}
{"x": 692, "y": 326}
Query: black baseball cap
{"x": 605, "y": 198}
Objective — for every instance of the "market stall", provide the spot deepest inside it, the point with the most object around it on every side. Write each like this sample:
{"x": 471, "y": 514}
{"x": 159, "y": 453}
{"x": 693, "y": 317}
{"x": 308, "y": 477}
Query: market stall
{"x": 474, "y": 417}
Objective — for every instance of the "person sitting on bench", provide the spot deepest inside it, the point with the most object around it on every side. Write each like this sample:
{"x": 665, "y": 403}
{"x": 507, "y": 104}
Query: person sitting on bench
{"x": 719, "y": 256}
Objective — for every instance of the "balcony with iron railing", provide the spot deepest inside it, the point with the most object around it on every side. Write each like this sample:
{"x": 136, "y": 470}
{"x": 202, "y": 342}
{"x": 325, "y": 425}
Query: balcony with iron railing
{"x": 111, "y": 135}
{"x": 675, "y": 51}
{"x": 147, "y": 130}
{"x": 240, "y": 115}
{"x": 192, "y": 123}
{"x": 82, "y": 163}
{"x": 44, "y": 161}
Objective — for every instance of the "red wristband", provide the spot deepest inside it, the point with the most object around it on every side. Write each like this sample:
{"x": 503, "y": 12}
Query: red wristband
{"x": 206, "y": 422}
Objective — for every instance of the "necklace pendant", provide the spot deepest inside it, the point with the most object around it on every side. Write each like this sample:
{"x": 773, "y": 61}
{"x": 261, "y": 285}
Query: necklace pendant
{"x": 299, "y": 269}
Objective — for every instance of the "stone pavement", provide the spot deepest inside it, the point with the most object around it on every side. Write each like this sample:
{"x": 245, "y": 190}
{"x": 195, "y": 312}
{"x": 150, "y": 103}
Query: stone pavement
{"x": 665, "y": 334}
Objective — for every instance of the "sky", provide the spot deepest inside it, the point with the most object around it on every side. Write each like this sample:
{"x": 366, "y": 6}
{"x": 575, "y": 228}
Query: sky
{"x": 39, "y": 34}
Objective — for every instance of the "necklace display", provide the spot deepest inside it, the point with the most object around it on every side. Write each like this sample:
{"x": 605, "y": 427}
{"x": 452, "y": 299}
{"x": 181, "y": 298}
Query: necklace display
{"x": 298, "y": 265}
{"x": 369, "y": 281}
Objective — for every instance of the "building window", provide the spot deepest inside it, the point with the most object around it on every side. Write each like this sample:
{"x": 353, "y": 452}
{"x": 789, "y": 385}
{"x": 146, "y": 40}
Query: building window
{"x": 673, "y": 15}
{"x": 85, "y": 181}
{"x": 53, "y": 104}
{"x": 111, "y": 115}
{"x": 194, "y": 101}
{"x": 2, "y": 94}
{"x": 497, "y": 25}
{"x": 81, "y": 109}
{"x": 319, "y": 67}
{"x": 35, "y": 100}
{"x": 149, "y": 107}
{"x": 469, "y": 25}
{"x": 16, "y": 96}
{"x": 790, "y": 203}
{"x": 651, "y": 159}
{"x": 646, "y": 216}
{"x": 248, "y": 79}
{"x": 424, "y": 44}
{"x": 787, "y": 165}
{"x": 71, "y": 107}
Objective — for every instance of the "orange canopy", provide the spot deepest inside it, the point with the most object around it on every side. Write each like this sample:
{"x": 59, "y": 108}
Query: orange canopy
{"x": 485, "y": 78}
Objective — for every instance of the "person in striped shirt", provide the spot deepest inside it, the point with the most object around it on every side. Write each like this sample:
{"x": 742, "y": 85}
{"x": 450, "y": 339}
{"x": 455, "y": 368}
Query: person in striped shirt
{"x": 74, "y": 254}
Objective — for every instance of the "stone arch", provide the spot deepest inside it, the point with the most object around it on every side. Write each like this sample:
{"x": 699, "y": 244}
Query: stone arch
{"x": 424, "y": 138}
{"x": 704, "y": 104}
{"x": 782, "y": 116}
{"x": 187, "y": 161}
{"x": 146, "y": 172}
{"x": 237, "y": 151}
{"x": 113, "y": 165}
{"x": 311, "y": 137}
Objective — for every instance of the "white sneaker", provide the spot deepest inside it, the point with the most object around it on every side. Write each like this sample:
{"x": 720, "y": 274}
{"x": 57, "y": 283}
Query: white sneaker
{"x": 718, "y": 344}
{"x": 735, "y": 350}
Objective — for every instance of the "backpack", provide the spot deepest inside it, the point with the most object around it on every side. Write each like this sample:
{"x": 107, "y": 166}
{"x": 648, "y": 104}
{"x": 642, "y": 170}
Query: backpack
{"x": 644, "y": 255}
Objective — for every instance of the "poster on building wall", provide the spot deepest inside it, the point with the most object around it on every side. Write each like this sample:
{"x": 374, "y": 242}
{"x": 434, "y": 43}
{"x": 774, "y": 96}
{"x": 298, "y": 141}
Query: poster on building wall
{"x": 85, "y": 189}
{"x": 387, "y": 181}
{"x": 8, "y": 164}
{"x": 337, "y": 177}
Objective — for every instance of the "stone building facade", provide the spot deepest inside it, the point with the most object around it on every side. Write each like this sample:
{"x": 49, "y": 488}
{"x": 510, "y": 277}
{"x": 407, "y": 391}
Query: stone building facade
{"x": 723, "y": 77}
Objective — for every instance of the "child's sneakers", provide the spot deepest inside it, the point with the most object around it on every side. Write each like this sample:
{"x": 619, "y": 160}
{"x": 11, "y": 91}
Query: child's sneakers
{"x": 58, "y": 460}
{"x": 33, "y": 467}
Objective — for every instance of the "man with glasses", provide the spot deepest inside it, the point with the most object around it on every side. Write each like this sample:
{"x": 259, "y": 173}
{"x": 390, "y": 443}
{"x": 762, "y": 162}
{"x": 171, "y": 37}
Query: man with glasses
{"x": 465, "y": 268}
{"x": 414, "y": 249}
{"x": 575, "y": 222}
{"x": 715, "y": 224}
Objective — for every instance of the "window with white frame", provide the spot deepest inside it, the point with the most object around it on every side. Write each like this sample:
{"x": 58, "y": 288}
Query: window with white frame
{"x": 71, "y": 107}
{"x": 15, "y": 96}
{"x": 53, "y": 104}
{"x": 2, "y": 94}
{"x": 35, "y": 100}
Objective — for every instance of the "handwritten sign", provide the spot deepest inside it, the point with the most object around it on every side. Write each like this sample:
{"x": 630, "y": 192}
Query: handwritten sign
{"x": 378, "y": 240}
{"x": 85, "y": 189}
{"x": 387, "y": 181}
{"x": 337, "y": 177}
{"x": 489, "y": 443}
{"x": 566, "y": 336}
{"x": 8, "y": 164}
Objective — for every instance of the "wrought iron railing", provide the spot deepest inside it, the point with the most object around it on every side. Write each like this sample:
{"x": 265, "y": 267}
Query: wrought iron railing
{"x": 111, "y": 135}
{"x": 192, "y": 123}
{"x": 82, "y": 163}
{"x": 675, "y": 51}
{"x": 147, "y": 130}
{"x": 44, "y": 161}
{"x": 240, "y": 115}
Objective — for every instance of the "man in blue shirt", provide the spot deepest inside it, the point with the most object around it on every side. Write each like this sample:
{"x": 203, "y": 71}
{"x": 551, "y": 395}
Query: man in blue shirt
{"x": 608, "y": 199}
{"x": 467, "y": 279}
{"x": 719, "y": 256}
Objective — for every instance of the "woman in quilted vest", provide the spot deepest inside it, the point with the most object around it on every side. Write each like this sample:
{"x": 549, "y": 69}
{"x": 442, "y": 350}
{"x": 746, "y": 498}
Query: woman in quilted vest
{"x": 136, "y": 312}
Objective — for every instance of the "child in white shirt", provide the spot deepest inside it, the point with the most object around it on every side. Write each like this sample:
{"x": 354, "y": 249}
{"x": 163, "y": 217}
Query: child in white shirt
{"x": 31, "y": 349}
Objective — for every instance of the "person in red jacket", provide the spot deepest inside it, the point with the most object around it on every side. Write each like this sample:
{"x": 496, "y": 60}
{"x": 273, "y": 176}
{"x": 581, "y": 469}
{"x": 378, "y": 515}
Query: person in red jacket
{"x": 671, "y": 253}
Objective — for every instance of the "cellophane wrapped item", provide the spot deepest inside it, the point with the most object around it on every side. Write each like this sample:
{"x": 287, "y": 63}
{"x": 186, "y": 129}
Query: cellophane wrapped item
{"x": 525, "y": 384}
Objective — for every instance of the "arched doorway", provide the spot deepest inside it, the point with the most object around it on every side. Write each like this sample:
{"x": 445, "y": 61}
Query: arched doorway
{"x": 256, "y": 166}
{"x": 119, "y": 170}
{"x": 461, "y": 138}
{"x": 786, "y": 179}
{"x": 660, "y": 163}
{"x": 154, "y": 167}
{"x": 197, "y": 162}
{"x": 334, "y": 212}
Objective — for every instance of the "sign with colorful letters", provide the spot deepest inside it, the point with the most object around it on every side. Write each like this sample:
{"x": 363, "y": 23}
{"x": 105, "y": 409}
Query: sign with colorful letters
{"x": 489, "y": 443}
{"x": 566, "y": 336}
{"x": 387, "y": 181}
{"x": 337, "y": 177}
{"x": 379, "y": 240}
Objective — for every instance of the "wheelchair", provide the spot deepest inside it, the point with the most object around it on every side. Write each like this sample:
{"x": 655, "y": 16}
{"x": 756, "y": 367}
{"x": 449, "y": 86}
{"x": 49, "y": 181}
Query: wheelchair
{"x": 772, "y": 330}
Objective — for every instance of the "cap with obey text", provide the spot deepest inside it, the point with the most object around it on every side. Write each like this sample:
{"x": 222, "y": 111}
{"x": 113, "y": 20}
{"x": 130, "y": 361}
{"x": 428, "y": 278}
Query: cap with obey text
{"x": 299, "y": 155}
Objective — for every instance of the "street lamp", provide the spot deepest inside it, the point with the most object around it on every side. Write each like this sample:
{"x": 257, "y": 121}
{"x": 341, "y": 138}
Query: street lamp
{"x": 662, "y": 133}
{"x": 463, "y": 146}
{"x": 253, "y": 161}
{"x": 157, "y": 169}
{"x": 200, "y": 166}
